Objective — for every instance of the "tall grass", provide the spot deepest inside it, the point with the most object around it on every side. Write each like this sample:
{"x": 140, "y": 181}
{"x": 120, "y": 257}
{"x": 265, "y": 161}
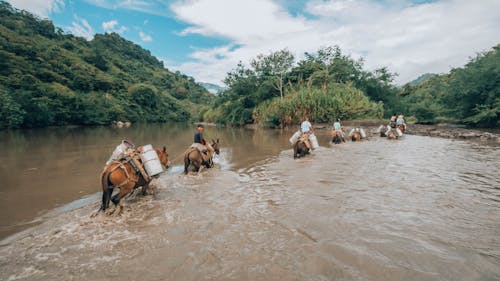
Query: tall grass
{"x": 338, "y": 101}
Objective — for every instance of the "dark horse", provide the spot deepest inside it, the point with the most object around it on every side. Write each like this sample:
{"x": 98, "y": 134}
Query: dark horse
{"x": 196, "y": 158}
{"x": 337, "y": 137}
{"x": 300, "y": 149}
{"x": 121, "y": 174}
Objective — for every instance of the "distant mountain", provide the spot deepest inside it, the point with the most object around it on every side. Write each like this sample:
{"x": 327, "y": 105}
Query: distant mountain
{"x": 421, "y": 79}
{"x": 48, "y": 77}
{"x": 212, "y": 88}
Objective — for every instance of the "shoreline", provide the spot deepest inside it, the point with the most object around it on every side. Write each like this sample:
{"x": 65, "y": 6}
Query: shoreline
{"x": 449, "y": 131}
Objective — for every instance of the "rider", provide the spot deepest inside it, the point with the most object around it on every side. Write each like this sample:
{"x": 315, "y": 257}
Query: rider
{"x": 338, "y": 129}
{"x": 124, "y": 148}
{"x": 392, "y": 122}
{"x": 198, "y": 136}
{"x": 401, "y": 121}
{"x": 306, "y": 128}
{"x": 199, "y": 142}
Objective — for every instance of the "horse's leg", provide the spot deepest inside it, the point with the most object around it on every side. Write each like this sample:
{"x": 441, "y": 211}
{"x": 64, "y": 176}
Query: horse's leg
{"x": 145, "y": 189}
{"x": 186, "y": 163}
{"x": 107, "y": 190}
{"x": 295, "y": 151}
{"x": 124, "y": 190}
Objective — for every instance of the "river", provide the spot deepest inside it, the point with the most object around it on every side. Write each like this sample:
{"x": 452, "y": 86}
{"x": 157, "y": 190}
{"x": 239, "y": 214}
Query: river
{"x": 419, "y": 208}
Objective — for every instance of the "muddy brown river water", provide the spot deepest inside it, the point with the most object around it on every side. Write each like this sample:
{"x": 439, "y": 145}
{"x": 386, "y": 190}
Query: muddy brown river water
{"x": 419, "y": 208}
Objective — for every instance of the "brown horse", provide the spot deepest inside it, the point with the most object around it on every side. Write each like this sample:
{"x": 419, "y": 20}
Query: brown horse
{"x": 386, "y": 131}
{"x": 401, "y": 127}
{"x": 355, "y": 136}
{"x": 300, "y": 149}
{"x": 122, "y": 175}
{"x": 337, "y": 137}
{"x": 197, "y": 158}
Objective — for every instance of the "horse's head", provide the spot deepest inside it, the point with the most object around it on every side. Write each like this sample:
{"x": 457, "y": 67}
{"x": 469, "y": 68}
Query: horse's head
{"x": 163, "y": 156}
{"x": 216, "y": 146}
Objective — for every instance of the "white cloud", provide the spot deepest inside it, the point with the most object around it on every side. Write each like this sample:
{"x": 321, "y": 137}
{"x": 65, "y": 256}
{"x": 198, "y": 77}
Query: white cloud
{"x": 145, "y": 37}
{"x": 42, "y": 8}
{"x": 410, "y": 39}
{"x": 154, "y": 7}
{"x": 80, "y": 27}
{"x": 112, "y": 26}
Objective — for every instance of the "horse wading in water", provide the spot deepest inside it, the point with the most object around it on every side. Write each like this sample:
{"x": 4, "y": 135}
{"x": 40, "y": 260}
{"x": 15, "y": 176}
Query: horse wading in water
{"x": 198, "y": 158}
{"x": 355, "y": 136}
{"x": 121, "y": 174}
{"x": 300, "y": 148}
{"x": 386, "y": 131}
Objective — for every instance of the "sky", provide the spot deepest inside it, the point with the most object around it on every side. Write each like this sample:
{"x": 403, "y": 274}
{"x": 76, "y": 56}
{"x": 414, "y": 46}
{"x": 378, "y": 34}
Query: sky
{"x": 206, "y": 39}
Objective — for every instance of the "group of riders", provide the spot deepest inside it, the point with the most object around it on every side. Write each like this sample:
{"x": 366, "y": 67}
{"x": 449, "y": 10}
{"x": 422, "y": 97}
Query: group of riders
{"x": 130, "y": 167}
{"x": 395, "y": 128}
{"x": 396, "y": 122}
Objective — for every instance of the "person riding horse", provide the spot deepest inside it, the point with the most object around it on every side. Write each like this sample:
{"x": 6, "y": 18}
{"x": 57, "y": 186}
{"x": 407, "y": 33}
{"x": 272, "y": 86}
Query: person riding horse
{"x": 400, "y": 122}
{"x": 200, "y": 152}
{"x": 306, "y": 128}
{"x": 126, "y": 147}
{"x": 338, "y": 132}
{"x": 392, "y": 121}
{"x": 126, "y": 172}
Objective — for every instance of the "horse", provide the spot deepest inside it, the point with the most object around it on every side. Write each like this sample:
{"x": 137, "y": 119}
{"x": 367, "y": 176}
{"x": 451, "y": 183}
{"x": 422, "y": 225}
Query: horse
{"x": 401, "y": 127}
{"x": 197, "y": 158}
{"x": 300, "y": 149}
{"x": 355, "y": 136}
{"x": 386, "y": 131}
{"x": 121, "y": 175}
{"x": 337, "y": 137}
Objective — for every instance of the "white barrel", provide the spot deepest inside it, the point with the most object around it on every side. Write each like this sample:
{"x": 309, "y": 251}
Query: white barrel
{"x": 151, "y": 161}
{"x": 314, "y": 141}
{"x": 362, "y": 132}
{"x": 295, "y": 137}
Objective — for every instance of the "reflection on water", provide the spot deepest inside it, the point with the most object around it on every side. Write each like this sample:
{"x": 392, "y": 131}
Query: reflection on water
{"x": 416, "y": 209}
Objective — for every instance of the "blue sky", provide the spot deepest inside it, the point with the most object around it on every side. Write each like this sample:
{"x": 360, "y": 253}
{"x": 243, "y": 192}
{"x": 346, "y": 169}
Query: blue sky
{"x": 205, "y": 39}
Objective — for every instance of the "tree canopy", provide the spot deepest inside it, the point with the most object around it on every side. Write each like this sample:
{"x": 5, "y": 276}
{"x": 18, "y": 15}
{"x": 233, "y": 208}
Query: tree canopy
{"x": 48, "y": 78}
{"x": 277, "y": 91}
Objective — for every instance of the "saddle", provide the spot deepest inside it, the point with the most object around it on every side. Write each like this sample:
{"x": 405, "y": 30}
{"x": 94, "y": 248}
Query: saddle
{"x": 135, "y": 162}
{"x": 202, "y": 149}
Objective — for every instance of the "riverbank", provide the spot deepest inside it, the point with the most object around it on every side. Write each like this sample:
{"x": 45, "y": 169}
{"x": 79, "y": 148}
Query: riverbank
{"x": 448, "y": 131}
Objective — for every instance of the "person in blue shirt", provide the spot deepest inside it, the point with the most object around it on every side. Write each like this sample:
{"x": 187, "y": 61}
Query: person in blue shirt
{"x": 306, "y": 128}
{"x": 338, "y": 129}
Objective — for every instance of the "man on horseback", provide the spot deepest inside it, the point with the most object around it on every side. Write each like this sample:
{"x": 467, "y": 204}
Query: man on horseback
{"x": 306, "y": 129}
{"x": 401, "y": 121}
{"x": 392, "y": 121}
{"x": 125, "y": 148}
{"x": 198, "y": 136}
{"x": 338, "y": 129}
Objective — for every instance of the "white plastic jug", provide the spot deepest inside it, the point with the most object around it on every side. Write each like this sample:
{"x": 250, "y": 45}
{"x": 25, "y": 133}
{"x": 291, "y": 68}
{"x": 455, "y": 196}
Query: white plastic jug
{"x": 295, "y": 137}
{"x": 362, "y": 132}
{"x": 314, "y": 141}
{"x": 151, "y": 161}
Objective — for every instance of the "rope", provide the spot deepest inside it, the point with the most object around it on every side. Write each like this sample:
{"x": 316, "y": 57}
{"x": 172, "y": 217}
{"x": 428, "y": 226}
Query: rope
{"x": 180, "y": 155}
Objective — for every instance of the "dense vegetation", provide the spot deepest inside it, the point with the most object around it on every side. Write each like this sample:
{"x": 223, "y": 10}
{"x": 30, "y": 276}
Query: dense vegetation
{"x": 276, "y": 91}
{"x": 51, "y": 78}
{"x": 468, "y": 95}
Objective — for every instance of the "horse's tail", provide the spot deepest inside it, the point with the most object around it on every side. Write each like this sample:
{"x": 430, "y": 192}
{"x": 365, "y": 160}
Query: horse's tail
{"x": 106, "y": 190}
{"x": 186, "y": 162}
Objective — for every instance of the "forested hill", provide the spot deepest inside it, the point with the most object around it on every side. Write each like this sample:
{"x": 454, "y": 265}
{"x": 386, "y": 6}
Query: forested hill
{"x": 48, "y": 78}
